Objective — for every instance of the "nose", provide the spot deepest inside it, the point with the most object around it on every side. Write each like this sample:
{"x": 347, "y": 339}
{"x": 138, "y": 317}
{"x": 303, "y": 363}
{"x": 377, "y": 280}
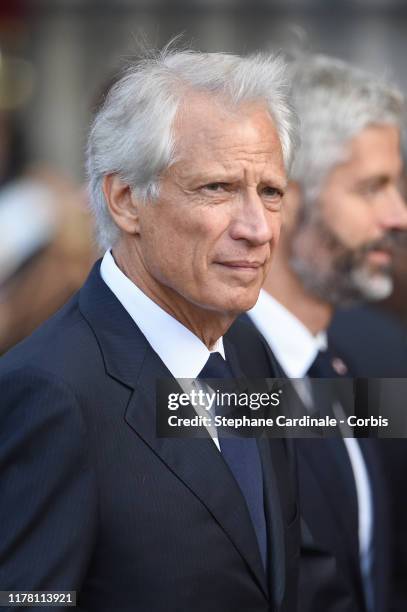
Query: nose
{"x": 253, "y": 222}
{"x": 393, "y": 213}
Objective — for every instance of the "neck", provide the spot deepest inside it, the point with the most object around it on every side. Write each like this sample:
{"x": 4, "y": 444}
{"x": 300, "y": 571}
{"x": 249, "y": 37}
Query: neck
{"x": 207, "y": 325}
{"x": 285, "y": 286}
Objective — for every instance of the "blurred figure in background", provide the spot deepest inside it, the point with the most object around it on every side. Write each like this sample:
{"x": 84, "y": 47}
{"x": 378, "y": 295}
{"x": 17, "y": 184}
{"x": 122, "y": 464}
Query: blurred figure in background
{"x": 344, "y": 214}
{"x": 46, "y": 247}
{"x": 396, "y": 303}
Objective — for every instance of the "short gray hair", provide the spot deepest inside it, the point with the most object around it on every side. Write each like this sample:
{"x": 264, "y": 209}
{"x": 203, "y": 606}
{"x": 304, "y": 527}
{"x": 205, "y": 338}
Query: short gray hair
{"x": 131, "y": 134}
{"x": 334, "y": 102}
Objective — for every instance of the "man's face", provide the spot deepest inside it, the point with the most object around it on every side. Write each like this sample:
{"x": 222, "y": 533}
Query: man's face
{"x": 208, "y": 238}
{"x": 342, "y": 248}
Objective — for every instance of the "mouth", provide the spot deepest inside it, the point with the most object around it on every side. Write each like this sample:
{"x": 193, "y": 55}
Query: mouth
{"x": 246, "y": 271}
{"x": 379, "y": 257}
{"x": 241, "y": 265}
{"x": 251, "y": 265}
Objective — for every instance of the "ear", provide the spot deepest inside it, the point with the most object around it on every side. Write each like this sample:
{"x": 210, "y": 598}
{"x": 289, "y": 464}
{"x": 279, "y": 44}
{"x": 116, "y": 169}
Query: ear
{"x": 292, "y": 204}
{"x": 123, "y": 206}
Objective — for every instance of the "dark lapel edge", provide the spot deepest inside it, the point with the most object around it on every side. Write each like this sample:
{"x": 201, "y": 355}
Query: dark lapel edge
{"x": 273, "y": 509}
{"x": 275, "y": 520}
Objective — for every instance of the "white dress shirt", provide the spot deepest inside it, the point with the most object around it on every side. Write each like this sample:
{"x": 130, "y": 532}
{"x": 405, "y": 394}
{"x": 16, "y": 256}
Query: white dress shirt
{"x": 182, "y": 352}
{"x": 295, "y": 347}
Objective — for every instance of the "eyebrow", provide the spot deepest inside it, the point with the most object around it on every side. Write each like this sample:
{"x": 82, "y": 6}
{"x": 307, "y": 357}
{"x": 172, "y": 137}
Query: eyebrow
{"x": 374, "y": 181}
{"x": 225, "y": 177}
{"x": 276, "y": 182}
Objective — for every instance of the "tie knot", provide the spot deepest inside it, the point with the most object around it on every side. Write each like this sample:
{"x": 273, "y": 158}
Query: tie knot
{"x": 216, "y": 367}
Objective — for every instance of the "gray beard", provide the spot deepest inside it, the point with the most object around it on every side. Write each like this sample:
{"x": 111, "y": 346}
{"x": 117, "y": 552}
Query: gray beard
{"x": 341, "y": 287}
{"x": 334, "y": 273}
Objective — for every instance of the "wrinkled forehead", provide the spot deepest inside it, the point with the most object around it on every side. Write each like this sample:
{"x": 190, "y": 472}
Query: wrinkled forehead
{"x": 209, "y": 128}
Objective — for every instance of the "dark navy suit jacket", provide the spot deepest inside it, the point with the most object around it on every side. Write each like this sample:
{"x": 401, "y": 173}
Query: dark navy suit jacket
{"x": 374, "y": 345}
{"x": 92, "y": 500}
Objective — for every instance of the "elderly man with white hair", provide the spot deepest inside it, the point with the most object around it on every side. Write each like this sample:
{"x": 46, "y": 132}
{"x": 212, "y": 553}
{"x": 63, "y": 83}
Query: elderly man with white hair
{"x": 344, "y": 214}
{"x": 187, "y": 164}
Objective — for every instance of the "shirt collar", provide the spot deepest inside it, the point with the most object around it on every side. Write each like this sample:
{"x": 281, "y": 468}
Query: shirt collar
{"x": 182, "y": 352}
{"x": 292, "y": 343}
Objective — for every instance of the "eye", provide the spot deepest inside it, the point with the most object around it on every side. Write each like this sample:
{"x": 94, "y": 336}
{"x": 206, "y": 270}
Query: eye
{"x": 215, "y": 186}
{"x": 369, "y": 190}
{"x": 272, "y": 192}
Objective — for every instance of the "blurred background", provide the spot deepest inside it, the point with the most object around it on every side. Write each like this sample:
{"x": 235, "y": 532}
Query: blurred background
{"x": 56, "y": 56}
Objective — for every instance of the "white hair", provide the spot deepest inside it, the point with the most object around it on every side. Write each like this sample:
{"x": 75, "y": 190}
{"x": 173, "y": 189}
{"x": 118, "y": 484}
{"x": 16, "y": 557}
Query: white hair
{"x": 132, "y": 133}
{"x": 334, "y": 102}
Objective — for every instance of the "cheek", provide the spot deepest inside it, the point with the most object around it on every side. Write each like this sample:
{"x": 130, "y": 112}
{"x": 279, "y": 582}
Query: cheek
{"x": 350, "y": 220}
{"x": 160, "y": 244}
{"x": 171, "y": 254}
{"x": 276, "y": 224}
{"x": 177, "y": 250}
{"x": 209, "y": 235}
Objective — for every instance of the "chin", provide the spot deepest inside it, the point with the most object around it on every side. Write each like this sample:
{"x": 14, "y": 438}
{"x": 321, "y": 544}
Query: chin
{"x": 229, "y": 300}
{"x": 243, "y": 304}
{"x": 373, "y": 286}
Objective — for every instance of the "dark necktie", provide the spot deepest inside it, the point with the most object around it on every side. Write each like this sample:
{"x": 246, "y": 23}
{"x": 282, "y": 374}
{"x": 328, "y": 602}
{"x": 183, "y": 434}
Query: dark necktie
{"x": 242, "y": 457}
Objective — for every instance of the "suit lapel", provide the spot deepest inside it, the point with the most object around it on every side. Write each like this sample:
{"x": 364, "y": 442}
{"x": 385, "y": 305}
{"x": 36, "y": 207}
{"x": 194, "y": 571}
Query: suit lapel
{"x": 274, "y": 516}
{"x": 198, "y": 463}
{"x": 195, "y": 461}
{"x": 122, "y": 344}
